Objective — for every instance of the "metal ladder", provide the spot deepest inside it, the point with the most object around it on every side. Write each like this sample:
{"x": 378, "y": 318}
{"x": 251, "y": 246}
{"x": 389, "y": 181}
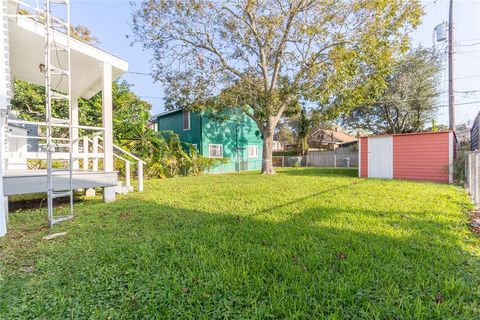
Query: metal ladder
{"x": 54, "y": 73}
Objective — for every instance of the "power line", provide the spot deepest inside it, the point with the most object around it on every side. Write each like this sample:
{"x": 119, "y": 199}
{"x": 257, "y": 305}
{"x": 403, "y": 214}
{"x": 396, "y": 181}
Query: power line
{"x": 468, "y": 77}
{"x": 151, "y": 97}
{"x": 467, "y": 45}
{"x": 459, "y": 104}
{"x": 138, "y": 72}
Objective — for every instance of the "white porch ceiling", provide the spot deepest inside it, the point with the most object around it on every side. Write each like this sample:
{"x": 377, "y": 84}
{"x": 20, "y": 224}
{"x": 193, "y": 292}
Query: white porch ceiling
{"x": 27, "y": 43}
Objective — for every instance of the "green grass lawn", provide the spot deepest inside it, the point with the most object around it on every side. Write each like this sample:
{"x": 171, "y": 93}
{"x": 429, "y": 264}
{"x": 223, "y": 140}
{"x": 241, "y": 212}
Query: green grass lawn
{"x": 306, "y": 243}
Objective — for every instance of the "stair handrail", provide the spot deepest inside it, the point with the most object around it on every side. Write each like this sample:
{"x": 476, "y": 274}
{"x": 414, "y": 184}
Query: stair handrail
{"x": 140, "y": 164}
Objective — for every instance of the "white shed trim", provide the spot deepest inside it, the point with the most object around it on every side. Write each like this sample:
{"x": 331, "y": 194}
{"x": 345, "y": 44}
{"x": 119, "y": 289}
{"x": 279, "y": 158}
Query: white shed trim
{"x": 360, "y": 157}
{"x": 450, "y": 155}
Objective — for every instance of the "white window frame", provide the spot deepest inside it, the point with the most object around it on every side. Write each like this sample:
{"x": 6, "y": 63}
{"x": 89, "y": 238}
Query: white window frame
{"x": 209, "y": 151}
{"x": 183, "y": 120}
{"x": 248, "y": 151}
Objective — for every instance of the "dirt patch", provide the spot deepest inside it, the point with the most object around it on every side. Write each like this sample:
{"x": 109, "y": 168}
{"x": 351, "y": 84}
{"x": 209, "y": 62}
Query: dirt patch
{"x": 36, "y": 201}
{"x": 475, "y": 222}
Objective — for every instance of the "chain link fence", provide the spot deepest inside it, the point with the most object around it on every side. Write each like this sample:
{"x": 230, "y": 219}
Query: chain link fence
{"x": 472, "y": 175}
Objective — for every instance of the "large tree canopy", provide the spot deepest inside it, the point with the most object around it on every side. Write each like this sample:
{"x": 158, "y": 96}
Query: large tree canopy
{"x": 267, "y": 56}
{"x": 408, "y": 102}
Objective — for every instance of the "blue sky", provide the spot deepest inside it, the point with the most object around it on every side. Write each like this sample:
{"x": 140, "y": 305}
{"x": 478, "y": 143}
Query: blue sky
{"x": 109, "y": 21}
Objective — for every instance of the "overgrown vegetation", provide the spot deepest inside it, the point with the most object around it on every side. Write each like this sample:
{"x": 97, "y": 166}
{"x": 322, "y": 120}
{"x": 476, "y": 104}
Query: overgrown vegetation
{"x": 166, "y": 155}
{"x": 305, "y": 244}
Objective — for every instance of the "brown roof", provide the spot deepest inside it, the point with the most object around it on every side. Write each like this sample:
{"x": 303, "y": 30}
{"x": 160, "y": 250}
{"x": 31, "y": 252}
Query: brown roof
{"x": 331, "y": 136}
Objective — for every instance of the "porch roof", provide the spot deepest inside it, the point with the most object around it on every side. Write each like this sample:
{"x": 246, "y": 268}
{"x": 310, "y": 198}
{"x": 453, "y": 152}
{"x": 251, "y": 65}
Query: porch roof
{"x": 27, "y": 53}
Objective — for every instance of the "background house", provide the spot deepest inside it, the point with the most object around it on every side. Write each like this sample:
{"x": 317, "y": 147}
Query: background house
{"x": 329, "y": 139}
{"x": 278, "y": 145}
{"x": 232, "y": 135}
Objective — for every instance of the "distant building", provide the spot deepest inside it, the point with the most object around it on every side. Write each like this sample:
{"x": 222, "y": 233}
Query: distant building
{"x": 462, "y": 131}
{"x": 278, "y": 145}
{"x": 330, "y": 139}
{"x": 235, "y": 136}
{"x": 474, "y": 133}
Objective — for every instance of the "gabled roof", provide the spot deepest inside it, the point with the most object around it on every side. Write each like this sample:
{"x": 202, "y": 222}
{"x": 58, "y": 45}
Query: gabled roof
{"x": 161, "y": 114}
{"x": 331, "y": 136}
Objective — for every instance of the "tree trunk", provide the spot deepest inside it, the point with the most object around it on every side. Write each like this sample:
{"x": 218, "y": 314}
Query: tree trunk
{"x": 267, "y": 165}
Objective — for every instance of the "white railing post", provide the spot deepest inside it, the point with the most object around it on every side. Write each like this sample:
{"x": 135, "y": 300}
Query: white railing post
{"x": 140, "y": 175}
{"x": 95, "y": 152}
{"x": 85, "y": 153}
{"x": 74, "y": 137}
{"x": 127, "y": 173}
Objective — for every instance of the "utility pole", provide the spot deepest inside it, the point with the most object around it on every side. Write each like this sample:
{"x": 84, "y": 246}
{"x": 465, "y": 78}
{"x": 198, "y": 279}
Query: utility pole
{"x": 451, "y": 92}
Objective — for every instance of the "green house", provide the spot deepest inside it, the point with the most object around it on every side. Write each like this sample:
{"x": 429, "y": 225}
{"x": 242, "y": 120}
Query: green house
{"x": 232, "y": 135}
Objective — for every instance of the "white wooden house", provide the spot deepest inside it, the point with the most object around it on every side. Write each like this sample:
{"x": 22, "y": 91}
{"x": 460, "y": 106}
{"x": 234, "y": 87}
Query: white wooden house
{"x": 22, "y": 54}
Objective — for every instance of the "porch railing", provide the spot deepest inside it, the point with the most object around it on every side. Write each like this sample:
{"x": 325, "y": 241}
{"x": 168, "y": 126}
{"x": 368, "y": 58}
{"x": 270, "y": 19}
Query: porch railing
{"x": 91, "y": 149}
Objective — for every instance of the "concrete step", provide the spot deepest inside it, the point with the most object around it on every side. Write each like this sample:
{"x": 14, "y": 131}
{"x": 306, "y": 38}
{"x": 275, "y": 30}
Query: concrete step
{"x": 121, "y": 188}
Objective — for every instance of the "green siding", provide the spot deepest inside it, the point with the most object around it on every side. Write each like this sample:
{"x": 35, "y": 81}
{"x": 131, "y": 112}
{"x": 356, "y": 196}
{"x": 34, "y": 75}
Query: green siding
{"x": 238, "y": 131}
{"x": 174, "y": 122}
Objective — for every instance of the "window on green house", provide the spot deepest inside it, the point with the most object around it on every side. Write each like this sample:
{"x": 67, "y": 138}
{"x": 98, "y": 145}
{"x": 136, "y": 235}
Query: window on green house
{"x": 215, "y": 150}
{"x": 186, "y": 120}
{"x": 253, "y": 152}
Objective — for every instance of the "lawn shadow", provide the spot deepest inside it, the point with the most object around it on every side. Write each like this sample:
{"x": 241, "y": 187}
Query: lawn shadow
{"x": 141, "y": 258}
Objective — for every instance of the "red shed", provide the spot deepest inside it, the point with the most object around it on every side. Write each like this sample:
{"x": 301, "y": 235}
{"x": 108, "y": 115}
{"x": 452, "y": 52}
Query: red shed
{"x": 414, "y": 156}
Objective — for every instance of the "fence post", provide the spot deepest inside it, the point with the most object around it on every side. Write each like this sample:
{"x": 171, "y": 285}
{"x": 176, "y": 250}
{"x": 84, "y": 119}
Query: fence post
{"x": 335, "y": 160}
{"x": 470, "y": 174}
{"x": 475, "y": 173}
{"x": 95, "y": 152}
{"x": 140, "y": 176}
{"x": 85, "y": 153}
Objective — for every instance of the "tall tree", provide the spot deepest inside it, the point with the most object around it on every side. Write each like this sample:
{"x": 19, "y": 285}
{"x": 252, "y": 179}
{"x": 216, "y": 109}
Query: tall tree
{"x": 408, "y": 102}
{"x": 267, "y": 56}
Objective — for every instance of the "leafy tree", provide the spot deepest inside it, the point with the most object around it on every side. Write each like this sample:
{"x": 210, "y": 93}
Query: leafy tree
{"x": 167, "y": 156}
{"x": 268, "y": 56}
{"x": 285, "y": 133}
{"x": 130, "y": 113}
{"x": 408, "y": 102}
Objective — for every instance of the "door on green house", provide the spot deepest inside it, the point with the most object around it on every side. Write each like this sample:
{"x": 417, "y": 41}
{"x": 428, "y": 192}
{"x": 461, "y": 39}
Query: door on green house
{"x": 240, "y": 159}
{"x": 247, "y": 155}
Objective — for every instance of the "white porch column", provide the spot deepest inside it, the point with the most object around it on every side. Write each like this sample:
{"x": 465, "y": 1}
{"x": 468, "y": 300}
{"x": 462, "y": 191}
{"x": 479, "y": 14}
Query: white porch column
{"x": 75, "y": 144}
{"x": 108, "y": 192}
{"x": 3, "y": 204}
{"x": 5, "y": 94}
